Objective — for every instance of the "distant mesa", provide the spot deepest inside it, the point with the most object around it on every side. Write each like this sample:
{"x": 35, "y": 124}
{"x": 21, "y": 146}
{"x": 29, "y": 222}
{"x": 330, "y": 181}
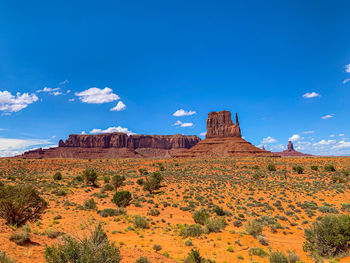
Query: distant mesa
{"x": 116, "y": 145}
{"x": 291, "y": 152}
{"x": 224, "y": 139}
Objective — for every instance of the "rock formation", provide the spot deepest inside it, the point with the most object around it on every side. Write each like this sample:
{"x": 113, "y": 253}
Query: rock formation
{"x": 291, "y": 152}
{"x": 223, "y": 139}
{"x": 116, "y": 145}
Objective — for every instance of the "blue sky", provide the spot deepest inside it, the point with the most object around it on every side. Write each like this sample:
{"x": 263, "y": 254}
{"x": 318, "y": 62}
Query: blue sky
{"x": 65, "y": 64}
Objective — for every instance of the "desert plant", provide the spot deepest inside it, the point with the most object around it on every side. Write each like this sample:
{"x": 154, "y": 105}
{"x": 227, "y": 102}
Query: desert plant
{"x": 329, "y": 168}
{"x": 216, "y": 225}
{"x": 314, "y": 167}
{"x": 201, "y": 216}
{"x": 299, "y": 169}
{"x": 157, "y": 247}
{"x": 257, "y": 251}
{"x": 328, "y": 237}
{"x": 5, "y": 259}
{"x": 112, "y": 212}
{"x": 94, "y": 248}
{"x": 19, "y": 204}
{"x": 122, "y": 198}
{"x": 90, "y": 176}
{"x": 142, "y": 259}
{"x": 140, "y": 181}
{"x": 253, "y": 228}
{"x": 271, "y": 167}
{"x": 195, "y": 257}
{"x": 153, "y": 182}
{"x": 90, "y": 204}
{"x": 140, "y": 222}
{"x": 278, "y": 257}
{"x": 57, "y": 176}
{"x": 21, "y": 236}
{"x": 117, "y": 181}
{"x": 191, "y": 231}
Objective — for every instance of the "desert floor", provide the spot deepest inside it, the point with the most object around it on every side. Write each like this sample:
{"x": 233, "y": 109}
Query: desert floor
{"x": 285, "y": 201}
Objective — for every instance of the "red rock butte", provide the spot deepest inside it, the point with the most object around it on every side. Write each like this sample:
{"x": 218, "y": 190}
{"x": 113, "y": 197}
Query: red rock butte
{"x": 224, "y": 139}
{"x": 291, "y": 152}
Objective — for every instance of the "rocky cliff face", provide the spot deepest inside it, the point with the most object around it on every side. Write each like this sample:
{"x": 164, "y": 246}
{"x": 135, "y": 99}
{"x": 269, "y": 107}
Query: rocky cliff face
{"x": 291, "y": 151}
{"x": 122, "y": 140}
{"x": 220, "y": 125}
{"x": 116, "y": 145}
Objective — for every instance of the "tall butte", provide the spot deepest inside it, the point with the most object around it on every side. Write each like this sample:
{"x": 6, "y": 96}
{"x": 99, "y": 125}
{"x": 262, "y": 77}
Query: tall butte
{"x": 223, "y": 139}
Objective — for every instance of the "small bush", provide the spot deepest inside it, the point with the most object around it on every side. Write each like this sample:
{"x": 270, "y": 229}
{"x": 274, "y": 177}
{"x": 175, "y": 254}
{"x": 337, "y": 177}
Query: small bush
{"x": 140, "y": 222}
{"x": 191, "y": 231}
{"x": 237, "y": 223}
{"x": 117, "y": 181}
{"x": 257, "y": 251}
{"x": 90, "y": 204}
{"x": 188, "y": 242}
{"x": 314, "y": 167}
{"x": 216, "y": 225}
{"x": 271, "y": 167}
{"x": 57, "y": 176}
{"x": 254, "y": 228}
{"x": 140, "y": 181}
{"x": 293, "y": 257}
{"x": 219, "y": 211}
{"x": 142, "y": 259}
{"x": 52, "y": 233}
{"x": 90, "y": 176}
{"x": 201, "y": 216}
{"x": 328, "y": 237}
{"x": 329, "y": 168}
{"x": 298, "y": 169}
{"x": 157, "y": 247}
{"x": 278, "y": 257}
{"x": 19, "y": 204}
{"x": 20, "y": 237}
{"x": 5, "y": 259}
{"x": 153, "y": 182}
{"x": 153, "y": 212}
{"x": 122, "y": 198}
{"x": 112, "y": 212}
{"x": 95, "y": 248}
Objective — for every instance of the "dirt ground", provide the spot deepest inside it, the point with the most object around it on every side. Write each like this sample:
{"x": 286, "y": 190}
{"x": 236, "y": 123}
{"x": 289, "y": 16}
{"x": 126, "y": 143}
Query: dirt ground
{"x": 286, "y": 203}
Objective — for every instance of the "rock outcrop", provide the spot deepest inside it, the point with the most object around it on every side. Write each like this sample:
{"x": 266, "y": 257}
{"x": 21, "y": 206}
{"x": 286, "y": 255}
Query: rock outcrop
{"x": 117, "y": 145}
{"x": 223, "y": 139}
{"x": 291, "y": 151}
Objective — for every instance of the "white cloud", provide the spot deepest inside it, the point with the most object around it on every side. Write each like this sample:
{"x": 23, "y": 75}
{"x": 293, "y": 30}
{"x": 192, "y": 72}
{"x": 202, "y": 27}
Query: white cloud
{"x": 83, "y": 132}
{"x": 119, "y": 107}
{"x": 324, "y": 142}
{"x": 347, "y": 68}
{"x": 203, "y": 134}
{"x": 295, "y": 137}
{"x": 310, "y": 95}
{"x": 328, "y": 116}
{"x": 10, "y": 103}
{"x": 71, "y": 99}
{"x": 341, "y": 134}
{"x": 308, "y": 132}
{"x": 12, "y": 147}
{"x": 97, "y": 96}
{"x": 183, "y": 124}
{"x": 181, "y": 112}
{"x": 66, "y": 81}
{"x": 346, "y": 81}
{"x": 268, "y": 140}
{"x": 342, "y": 145}
{"x": 112, "y": 129}
{"x": 332, "y": 135}
{"x": 46, "y": 89}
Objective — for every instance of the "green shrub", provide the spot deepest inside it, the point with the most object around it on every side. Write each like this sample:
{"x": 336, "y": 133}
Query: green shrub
{"x": 329, "y": 168}
{"x": 157, "y": 247}
{"x": 5, "y": 259}
{"x": 191, "y": 231}
{"x": 298, "y": 169}
{"x": 257, "y": 251}
{"x": 112, "y": 212}
{"x": 19, "y": 204}
{"x": 95, "y": 248}
{"x": 271, "y": 167}
{"x": 253, "y": 228}
{"x": 20, "y": 236}
{"x": 117, "y": 181}
{"x": 140, "y": 181}
{"x": 153, "y": 182}
{"x": 314, "y": 167}
{"x": 122, "y": 198}
{"x": 107, "y": 187}
{"x": 153, "y": 212}
{"x": 278, "y": 257}
{"x": 237, "y": 223}
{"x": 52, "y": 233}
{"x": 188, "y": 242}
{"x": 219, "y": 211}
{"x": 90, "y": 176}
{"x": 216, "y": 225}
{"x": 140, "y": 222}
{"x": 142, "y": 259}
{"x": 201, "y": 216}
{"x": 90, "y": 204}
{"x": 195, "y": 257}
{"x": 293, "y": 257}
{"x": 57, "y": 176}
{"x": 328, "y": 237}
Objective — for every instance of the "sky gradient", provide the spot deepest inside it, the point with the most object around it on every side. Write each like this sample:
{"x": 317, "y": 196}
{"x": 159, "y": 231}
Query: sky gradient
{"x": 159, "y": 67}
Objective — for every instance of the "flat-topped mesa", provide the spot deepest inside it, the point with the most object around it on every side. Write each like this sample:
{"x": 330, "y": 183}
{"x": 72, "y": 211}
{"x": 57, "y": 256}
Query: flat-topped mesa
{"x": 122, "y": 140}
{"x": 220, "y": 125}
